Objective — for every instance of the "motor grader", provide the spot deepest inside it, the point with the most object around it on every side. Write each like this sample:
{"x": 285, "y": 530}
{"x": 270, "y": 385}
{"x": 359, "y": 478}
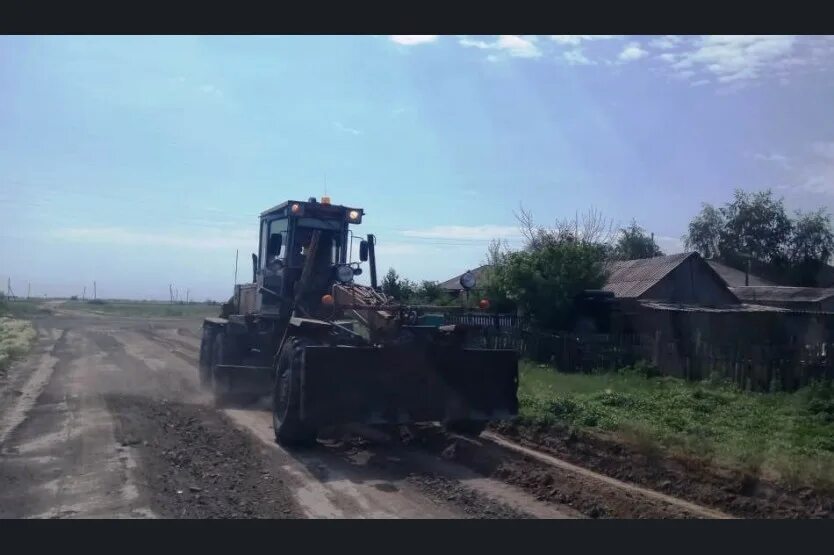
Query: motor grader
{"x": 330, "y": 351}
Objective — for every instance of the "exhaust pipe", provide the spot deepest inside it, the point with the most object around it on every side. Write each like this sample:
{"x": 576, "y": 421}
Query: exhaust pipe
{"x": 372, "y": 259}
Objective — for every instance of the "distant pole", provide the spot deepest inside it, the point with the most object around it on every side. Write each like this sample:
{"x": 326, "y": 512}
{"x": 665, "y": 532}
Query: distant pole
{"x": 747, "y": 273}
{"x": 187, "y": 293}
{"x": 28, "y": 289}
{"x": 236, "y": 253}
{"x": 84, "y": 293}
{"x": 95, "y": 294}
{"x": 171, "y": 293}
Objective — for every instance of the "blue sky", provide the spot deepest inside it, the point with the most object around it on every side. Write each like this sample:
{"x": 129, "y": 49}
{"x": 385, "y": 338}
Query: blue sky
{"x": 143, "y": 161}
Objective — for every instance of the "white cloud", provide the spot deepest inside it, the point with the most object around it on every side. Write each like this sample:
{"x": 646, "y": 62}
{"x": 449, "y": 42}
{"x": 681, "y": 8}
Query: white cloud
{"x": 814, "y": 172}
{"x": 412, "y": 40}
{"x": 700, "y": 82}
{"x": 511, "y": 45}
{"x": 346, "y": 129}
{"x": 576, "y": 57}
{"x": 210, "y": 90}
{"x": 669, "y": 245}
{"x": 739, "y": 59}
{"x": 478, "y": 232}
{"x": 473, "y": 43}
{"x": 189, "y": 239}
{"x": 632, "y": 52}
{"x": 778, "y": 159}
{"x": 518, "y": 46}
{"x": 665, "y": 42}
{"x": 818, "y": 174}
{"x": 823, "y": 149}
{"x": 393, "y": 249}
{"x": 575, "y": 40}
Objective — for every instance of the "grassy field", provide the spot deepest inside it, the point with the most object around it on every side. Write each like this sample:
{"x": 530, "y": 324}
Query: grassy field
{"x": 145, "y": 309}
{"x": 22, "y": 309}
{"x": 788, "y": 436}
{"x": 16, "y": 337}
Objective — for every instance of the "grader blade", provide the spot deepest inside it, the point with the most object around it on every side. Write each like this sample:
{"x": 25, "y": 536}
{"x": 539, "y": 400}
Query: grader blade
{"x": 385, "y": 385}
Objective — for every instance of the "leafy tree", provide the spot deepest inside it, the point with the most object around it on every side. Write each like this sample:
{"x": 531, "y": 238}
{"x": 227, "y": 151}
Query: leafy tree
{"x": 544, "y": 282}
{"x": 430, "y": 292}
{"x": 555, "y": 265}
{"x": 756, "y": 226}
{"x": 812, "y": 237}
{"x": 811, "y": 247}
{"x": 401, "y": 289}
{"x": 634, "y": 243}
{"x": 705, "y": 232}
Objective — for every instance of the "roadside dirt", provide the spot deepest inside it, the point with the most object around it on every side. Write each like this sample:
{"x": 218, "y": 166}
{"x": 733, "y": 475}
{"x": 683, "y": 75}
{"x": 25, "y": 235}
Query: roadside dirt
{"x": 733, "y": 492}
{"x": 197, "y": 465}
{"x": 588, "y": 496}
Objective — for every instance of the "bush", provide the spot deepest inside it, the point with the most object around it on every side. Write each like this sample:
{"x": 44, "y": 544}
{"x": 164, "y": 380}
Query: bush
{"x": 544, "y": 281}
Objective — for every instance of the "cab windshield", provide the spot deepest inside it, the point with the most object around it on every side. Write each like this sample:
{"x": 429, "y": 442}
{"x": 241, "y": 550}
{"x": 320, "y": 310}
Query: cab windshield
{"x": 328, "y": 250}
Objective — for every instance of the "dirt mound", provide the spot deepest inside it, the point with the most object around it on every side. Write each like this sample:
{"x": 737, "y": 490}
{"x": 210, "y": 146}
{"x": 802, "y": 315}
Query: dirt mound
{"x": 734, "y": 492}
{"x": 195, "y": 464}
{"x": 547, "y": 483}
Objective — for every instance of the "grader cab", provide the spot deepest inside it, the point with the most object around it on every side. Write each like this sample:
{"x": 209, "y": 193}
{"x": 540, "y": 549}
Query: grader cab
{"x": 330, "y": 351}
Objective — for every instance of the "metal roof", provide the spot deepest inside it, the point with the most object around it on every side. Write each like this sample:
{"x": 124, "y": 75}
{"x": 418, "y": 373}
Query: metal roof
{"x": 675, "y": 307}
{"x": 777, "y": 293}
{"x": 632, "y": 278}
{"x": 733, "y": 277}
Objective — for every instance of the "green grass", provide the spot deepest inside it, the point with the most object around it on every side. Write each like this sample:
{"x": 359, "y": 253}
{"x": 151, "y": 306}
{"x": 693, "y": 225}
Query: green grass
{"x": 22, "y": 308}
{"x": 16, "y": 337}
{"x": 787, "y": 435}
{"x": 145, "y": 309}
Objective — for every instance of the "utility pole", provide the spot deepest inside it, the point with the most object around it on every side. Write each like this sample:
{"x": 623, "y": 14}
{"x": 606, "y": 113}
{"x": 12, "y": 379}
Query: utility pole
{"x": 95, "y": 294}
{"x": 170, "y": 293}
{"x": 28, "y": 289}
{"x": 236, "y": 253}
{"x": 9, "y": 292}
{"x": 84, "y": 294}
{"x": 187, "y": 293}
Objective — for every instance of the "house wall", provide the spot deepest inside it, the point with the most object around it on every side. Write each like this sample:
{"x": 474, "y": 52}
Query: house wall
{"x": 692, "y": 282}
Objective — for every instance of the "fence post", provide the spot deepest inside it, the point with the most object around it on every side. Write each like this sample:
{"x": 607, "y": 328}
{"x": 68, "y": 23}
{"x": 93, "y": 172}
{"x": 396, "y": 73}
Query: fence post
{"x": 656, "y": 353}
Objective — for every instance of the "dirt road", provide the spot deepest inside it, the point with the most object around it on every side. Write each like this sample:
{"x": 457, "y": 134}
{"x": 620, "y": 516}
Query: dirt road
{"x": 105, "y": 419}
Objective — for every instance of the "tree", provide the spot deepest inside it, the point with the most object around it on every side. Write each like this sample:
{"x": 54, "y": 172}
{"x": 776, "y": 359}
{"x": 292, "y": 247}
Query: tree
{"x": 555, "y": 265}
{"x": 755, "y": 226}
{"x": 544, "y": 282}
{"x": 705, "y": 232}
{"x": 430, "y": 292}
{"x": 634, "y": 243}
{"x": 401, "y": 289}
{"x": 812, "y": 238}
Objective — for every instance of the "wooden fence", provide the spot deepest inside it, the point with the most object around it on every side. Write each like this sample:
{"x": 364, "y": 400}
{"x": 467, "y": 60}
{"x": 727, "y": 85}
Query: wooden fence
{"x": 750, "y": 365}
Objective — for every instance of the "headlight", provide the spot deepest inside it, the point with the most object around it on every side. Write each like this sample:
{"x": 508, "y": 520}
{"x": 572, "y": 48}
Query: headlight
{"x": 344, "y": 273}
{"x": 353, "y": 215}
